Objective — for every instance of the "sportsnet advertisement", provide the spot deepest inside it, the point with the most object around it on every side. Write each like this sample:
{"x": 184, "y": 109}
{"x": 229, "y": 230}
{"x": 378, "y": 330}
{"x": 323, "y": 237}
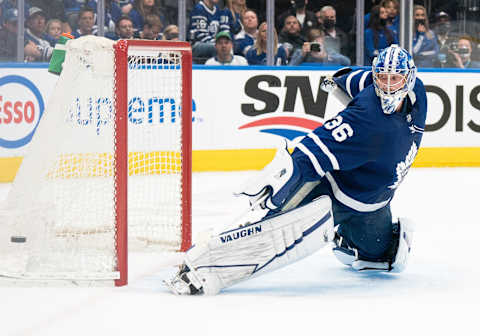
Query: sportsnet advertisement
{"x": 241, "y": 114}
{"x": 269, "y": 105}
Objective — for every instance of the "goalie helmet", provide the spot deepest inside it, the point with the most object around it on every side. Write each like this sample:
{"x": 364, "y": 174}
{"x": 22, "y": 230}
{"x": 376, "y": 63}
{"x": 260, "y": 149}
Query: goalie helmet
{"x": 394, "y": 74}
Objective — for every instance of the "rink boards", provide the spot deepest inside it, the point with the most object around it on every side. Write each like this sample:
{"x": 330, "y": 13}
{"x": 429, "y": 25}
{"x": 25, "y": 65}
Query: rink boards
{"x": 241, "y": 114}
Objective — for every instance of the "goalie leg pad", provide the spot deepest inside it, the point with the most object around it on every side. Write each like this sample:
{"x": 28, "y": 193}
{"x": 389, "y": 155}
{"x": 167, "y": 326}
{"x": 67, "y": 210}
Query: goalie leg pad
{"x": 395, "y": 261}
{"x": 242, "y": 253}
{"x": 405, "y": 239}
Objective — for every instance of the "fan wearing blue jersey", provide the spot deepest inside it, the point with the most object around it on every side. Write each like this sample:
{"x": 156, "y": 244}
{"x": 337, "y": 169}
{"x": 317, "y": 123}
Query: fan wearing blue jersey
{"x": 204, "y": 26}
{"x": 336, "y": 187}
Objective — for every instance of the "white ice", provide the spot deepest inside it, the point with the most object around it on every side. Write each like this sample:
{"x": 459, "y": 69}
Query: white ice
{"x": 438, "y": 294}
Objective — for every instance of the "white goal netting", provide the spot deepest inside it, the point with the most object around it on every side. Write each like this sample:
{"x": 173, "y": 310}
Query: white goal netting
{"x": 63, "y": 200}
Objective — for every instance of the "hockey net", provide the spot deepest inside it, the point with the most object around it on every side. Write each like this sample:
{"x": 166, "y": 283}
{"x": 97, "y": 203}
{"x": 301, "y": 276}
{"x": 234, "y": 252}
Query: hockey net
{"x": 120, "y": 115}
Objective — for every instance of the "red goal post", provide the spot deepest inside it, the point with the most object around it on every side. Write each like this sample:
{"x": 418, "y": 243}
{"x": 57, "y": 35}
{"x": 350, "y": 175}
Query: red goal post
{"x": 121, "y": 154}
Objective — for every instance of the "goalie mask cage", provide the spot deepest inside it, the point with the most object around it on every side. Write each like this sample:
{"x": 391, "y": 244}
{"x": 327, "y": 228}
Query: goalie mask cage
{"x": 120, "y": 114}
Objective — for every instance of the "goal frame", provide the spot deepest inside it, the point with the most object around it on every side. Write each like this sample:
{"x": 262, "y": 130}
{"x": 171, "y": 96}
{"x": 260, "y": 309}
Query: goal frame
{"x": 120, "y": 95}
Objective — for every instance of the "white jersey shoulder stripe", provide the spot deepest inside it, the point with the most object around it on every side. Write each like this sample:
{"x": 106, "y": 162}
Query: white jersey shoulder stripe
{"x": 350, "y": 202}
{"x": 210, "y": 11}
{"x": 412, "y": 96}
{"x": 313, "y": 159}
{"x": 325, "y": 150}
{"x": 349, "y": 80}
{"x": 361, "y": 84}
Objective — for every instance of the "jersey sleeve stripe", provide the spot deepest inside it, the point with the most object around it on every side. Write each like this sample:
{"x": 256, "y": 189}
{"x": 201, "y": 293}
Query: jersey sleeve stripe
{"x": 349, "y": 80}
{"x": 350, "y": 202}
{"x": 313, "y": 159}
{"x": 418, "y": 129}
{"x": 361, "y": 84}
{"x": 325, "y": 150}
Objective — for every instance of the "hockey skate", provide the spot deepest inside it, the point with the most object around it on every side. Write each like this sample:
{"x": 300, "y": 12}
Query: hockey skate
{"x": 181, "y": 284}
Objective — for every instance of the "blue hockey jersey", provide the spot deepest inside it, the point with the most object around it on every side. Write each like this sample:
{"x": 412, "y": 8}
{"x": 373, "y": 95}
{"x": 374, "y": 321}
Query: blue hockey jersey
{"x": 205, "y": 23}
{"x": 243, "y": 42}
{"x": 362, "y": 152}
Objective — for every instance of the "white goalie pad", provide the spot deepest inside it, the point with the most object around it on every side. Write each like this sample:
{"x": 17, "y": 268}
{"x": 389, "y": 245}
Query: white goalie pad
{"x": 245, "y": 252}
{"x": 405, "y": 241}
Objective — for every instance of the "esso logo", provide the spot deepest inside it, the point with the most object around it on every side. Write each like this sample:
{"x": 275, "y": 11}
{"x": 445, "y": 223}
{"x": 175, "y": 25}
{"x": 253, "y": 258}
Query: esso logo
{"x": 21, "y": 108}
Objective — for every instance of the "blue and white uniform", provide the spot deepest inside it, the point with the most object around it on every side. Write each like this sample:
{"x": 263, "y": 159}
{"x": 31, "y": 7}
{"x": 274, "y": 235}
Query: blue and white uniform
{"x": 254, "y": 59}
{"x": 243, "y": 42}
{"x": 205, "y": 23}
{"x": 230, "y": 21}
{"x": 358, "y": 158}
{"x": 364, "y": 153}
{"x": 425, "y": 49}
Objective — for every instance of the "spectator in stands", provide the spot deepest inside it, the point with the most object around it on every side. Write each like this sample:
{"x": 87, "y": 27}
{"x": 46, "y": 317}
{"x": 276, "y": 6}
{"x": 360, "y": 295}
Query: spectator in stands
{"x": 425, "y": 47}
{"x": 258, "y": 54}
{"x": 377, "y": 36}
{"x": 152, "y": 26}
{"x": 53, "y": 9}
{"x": 123, "y": 28}
{"x": 444, "y": 30}
{"x": 246, "y": 38}
{"x": 125, "y": 5}
{"x": 462, "y": 55}
{"x": 393, "y": 18}
{"x": 319, "y": 18}
{"x": 8, "y": 36}
{"x": 141, "y": 9}
{"x": 336, "y": 40}
{"x": 315, "y": 51}
{"x": 35, "y": 33}
{"x": 54, "y": 29}
{"x": 72, "y": 10}
{"x": 86, "y": 23}
{"x": 204, "y": 26}
{"x": 112, "y": 13}
{"x": 290, "y": 36}
{"x": 306, "y": 19}
{"x": 170, "y": 33}
{"x": 447, "y": 40}
{"x": 224, "y": 47}
{"x": 5, "y": 5}
{"x": 232, "y": 14}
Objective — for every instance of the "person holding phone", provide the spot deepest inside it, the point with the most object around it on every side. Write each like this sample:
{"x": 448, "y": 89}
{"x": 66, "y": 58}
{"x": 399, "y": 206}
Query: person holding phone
{"x": 425, "y": 47}
{"x": 314, "y": 51}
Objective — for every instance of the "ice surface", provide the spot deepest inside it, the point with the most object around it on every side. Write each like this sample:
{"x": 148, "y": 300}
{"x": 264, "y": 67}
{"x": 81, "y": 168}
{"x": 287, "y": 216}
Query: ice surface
{"x": 438, "y": 294}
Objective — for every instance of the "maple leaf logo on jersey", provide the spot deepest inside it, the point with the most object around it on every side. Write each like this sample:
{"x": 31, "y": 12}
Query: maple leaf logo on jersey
{"x": 404, "y": 166}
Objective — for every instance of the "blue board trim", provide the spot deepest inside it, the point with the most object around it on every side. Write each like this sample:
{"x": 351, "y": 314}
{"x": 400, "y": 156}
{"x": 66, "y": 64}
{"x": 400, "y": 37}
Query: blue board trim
{"x": 311, "y": 66}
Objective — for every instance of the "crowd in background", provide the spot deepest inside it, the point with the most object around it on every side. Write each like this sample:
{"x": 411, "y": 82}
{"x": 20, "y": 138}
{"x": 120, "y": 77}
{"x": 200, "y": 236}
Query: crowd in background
{"x": 234, "y": 32}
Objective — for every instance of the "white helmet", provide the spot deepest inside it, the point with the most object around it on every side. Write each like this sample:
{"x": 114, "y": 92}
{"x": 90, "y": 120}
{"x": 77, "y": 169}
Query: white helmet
{"x": 391, "y": 90}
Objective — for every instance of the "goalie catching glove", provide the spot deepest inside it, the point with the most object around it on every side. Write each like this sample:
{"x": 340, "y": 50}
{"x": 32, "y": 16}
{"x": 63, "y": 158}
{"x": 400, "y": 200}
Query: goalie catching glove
{"x": 280, "y": 185}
